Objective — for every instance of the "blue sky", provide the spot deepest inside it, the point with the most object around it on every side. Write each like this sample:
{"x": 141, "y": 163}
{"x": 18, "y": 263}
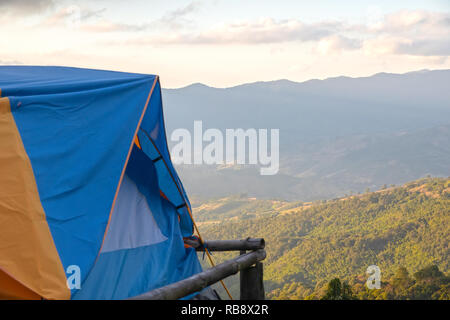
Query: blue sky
{"x": 227, "y": 42}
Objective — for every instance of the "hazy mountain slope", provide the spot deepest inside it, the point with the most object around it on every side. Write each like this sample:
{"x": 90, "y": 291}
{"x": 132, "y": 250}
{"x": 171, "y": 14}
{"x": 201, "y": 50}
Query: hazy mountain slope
{"x": 336, "y": 135}
{"x": 337, "y": 106}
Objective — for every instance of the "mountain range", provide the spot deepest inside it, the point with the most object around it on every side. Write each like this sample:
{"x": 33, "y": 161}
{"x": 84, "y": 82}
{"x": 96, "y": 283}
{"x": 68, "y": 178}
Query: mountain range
{"x": 337, "y": 136}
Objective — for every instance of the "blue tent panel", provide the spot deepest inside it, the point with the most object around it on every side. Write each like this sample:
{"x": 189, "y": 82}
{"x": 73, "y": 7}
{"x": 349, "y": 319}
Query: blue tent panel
{"x": 78, "y": 128}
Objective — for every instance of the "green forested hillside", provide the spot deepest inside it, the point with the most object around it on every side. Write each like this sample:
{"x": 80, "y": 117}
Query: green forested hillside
{"x": 308, "y": 244}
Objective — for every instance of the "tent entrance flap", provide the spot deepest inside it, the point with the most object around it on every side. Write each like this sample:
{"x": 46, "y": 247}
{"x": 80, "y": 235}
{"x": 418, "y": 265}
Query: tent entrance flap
{"x": 144, "y": 243}
{"x": 132, "y": 222}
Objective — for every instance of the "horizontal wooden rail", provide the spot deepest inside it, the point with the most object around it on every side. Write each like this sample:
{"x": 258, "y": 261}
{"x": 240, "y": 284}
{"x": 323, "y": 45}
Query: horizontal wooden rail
{"x": 248, "y": 244}
{"x": 203, "y": 279}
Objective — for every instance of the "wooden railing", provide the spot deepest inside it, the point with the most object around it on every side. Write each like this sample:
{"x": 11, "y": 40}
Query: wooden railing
{"x": 248, "y": 263}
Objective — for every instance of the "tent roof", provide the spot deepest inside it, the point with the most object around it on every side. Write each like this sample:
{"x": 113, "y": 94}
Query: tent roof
{"x": 29, "y": 80}
{"x": 67, "y": 135}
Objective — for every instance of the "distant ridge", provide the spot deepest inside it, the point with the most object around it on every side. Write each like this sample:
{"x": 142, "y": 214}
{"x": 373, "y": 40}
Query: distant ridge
{"x": 337, "y": 135}
{"x": 292, "y": 82}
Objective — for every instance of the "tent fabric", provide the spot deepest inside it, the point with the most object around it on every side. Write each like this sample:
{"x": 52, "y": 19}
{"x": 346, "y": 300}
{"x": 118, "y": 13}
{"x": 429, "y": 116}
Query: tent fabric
{"x": 27, "y": 250}
{"x": 71, "y": 174}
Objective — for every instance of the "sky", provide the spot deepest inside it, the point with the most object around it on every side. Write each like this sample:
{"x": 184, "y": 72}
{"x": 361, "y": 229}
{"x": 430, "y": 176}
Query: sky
{"x": 223, "y": 43}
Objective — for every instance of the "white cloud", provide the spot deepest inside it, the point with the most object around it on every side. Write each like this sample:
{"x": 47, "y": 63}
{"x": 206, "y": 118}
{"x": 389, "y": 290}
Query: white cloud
{"x": 24, "y": 7}
{"x": 337, "y": 44}
{"x": 423, "y": 47}
{"x": 407, "y": 32}
{"x": 70, "y": 15}
{"x": 260, "y": 49}
{"x": 10, "y": 62}
{"x": 407, "y": 21}
{"x": 404, "y": 33}
{"x": 109, "y": 26}
{"x": 419, "y": 33}
{"x": 263, "y": 31}
{"x": 178, "y": 18}
{"x": 171, "y": 21}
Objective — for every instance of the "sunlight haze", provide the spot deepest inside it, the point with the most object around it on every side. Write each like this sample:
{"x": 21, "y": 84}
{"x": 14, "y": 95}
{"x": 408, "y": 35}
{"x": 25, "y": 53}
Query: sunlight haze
{"x": 224, "y": 43}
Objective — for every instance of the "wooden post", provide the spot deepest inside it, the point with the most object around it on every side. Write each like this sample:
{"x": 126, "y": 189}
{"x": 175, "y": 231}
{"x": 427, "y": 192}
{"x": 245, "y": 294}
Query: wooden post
{"x": 252, "y": 286}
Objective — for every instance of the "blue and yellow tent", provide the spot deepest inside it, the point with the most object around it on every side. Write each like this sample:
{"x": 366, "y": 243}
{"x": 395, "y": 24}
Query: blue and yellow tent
{"x": 87, "y": 186}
